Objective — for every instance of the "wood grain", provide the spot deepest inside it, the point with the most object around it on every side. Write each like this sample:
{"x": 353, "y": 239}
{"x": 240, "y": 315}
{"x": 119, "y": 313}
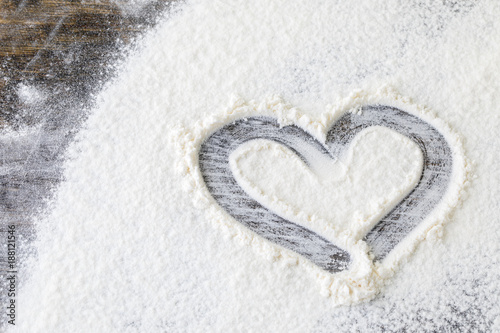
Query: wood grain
{"x": 66, "y": 51}
{"x": 60, "y": 45}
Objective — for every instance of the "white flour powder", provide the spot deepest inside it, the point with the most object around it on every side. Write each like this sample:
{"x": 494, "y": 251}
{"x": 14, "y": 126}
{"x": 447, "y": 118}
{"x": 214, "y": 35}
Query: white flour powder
{"x": 350, "y": 201}
{"x": 273, "y": 174}
{"x": 123, "y": 248}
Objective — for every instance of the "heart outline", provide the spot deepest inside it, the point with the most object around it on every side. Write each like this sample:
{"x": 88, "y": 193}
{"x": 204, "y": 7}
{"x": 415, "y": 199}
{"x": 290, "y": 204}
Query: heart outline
{"x": 438, "y": 162}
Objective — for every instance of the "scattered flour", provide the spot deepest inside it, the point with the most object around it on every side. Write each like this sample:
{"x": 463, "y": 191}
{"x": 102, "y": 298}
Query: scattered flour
{"x": 123, "y": 248}
{"x": 29, "y": 94}
{"x": 131, "y": 7}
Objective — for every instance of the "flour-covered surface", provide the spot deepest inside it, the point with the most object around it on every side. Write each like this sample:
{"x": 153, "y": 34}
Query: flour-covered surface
{"x": 123, "y": 248}
{"x": 334, "y": 247}
{"x": 324, "y": 183}
{"x": 389, "y": 232}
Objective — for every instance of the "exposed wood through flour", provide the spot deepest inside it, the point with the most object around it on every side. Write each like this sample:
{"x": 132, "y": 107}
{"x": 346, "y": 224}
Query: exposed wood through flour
{"x": 384, "y": 236}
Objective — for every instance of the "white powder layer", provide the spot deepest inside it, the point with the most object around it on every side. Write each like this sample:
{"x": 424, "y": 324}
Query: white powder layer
{"x": 363, "y": 279}
{"x": 342, "y": 195}
{"x": 124, "y": 249}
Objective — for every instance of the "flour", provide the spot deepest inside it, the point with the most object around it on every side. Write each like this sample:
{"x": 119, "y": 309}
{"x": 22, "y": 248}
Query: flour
{"x": 346, "y": 228}
{"x": 278, "y": 178}
{"x": 131, "y": 7}
{"x": 123, "y": 247}
{"x": 30, "y": 94}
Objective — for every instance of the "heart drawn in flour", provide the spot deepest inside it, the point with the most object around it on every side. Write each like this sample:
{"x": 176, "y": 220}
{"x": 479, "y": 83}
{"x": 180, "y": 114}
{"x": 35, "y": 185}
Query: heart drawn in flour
{"x": 214, "y": 159}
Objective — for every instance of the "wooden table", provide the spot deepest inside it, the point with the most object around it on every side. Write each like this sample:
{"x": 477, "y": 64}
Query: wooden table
{"x": 55, "y": 55}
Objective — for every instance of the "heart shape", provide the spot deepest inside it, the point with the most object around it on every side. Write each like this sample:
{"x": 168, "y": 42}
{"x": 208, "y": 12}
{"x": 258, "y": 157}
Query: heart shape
{"x": 384, "y": 236}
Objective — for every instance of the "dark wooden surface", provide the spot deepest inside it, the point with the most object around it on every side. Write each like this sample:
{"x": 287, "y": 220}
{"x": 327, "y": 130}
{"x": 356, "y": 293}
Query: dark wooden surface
{"x": 61, "y": 44}
{"x": 66, "y": 51}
